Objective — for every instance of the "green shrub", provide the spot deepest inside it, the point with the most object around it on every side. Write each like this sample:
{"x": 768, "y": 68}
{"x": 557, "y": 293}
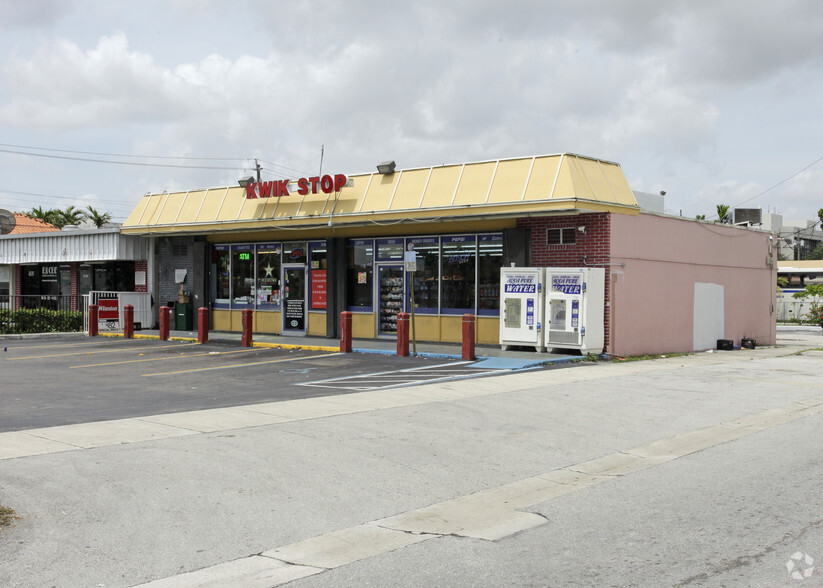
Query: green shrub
{"x": 40, "y": 320}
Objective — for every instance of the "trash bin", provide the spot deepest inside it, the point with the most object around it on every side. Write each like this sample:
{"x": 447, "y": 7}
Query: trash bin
{"x": 183, "y": 316}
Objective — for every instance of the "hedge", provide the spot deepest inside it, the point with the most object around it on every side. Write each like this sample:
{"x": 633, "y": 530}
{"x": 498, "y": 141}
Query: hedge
{"x": 40, "y": 320}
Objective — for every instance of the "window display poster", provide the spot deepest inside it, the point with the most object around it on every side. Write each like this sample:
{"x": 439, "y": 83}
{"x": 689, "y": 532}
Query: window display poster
{"x": 362, "y": 277}
{"x": 295, "y": 317}
{"x": 318, "y": 289}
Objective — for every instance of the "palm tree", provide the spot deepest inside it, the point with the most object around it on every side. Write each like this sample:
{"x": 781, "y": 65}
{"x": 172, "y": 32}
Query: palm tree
{"x": 723, "y": 214}
{"x": 71, "y": 216}
{"x": 51, "y": 216}
{"x": 99, "y": 219}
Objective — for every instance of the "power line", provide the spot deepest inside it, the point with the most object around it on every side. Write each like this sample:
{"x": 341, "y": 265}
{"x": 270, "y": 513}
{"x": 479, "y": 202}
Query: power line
{"x": 780, "y": 183}
{"x": 133, "y": 163}
{"x": 123, "y": 154}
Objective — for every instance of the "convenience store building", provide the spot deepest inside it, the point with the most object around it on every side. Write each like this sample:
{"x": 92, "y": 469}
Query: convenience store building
{"x": 300, "y": 252}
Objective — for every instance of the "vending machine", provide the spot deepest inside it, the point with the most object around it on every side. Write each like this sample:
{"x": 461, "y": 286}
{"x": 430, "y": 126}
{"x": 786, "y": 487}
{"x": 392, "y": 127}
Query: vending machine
{"x": 521, "y": 306}
{"x": 575, "y": 304}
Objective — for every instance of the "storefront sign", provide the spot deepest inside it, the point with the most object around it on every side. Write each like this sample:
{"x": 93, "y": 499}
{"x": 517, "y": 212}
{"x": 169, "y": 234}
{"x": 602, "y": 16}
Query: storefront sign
{"x": 279, "y": 188}
{"x": 108, "y": 314}
{"x": 567, "y": 284}
{"x": 318, "y": 289}
{"x": 520, "y": 283}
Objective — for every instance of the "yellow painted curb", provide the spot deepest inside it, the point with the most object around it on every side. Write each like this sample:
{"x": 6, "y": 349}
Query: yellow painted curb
{"x": 290, "y": 346}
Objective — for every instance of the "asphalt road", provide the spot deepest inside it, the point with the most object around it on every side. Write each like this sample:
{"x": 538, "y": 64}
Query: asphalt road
{"x": 689, "y": 471}
{"x": 50, "y": 382}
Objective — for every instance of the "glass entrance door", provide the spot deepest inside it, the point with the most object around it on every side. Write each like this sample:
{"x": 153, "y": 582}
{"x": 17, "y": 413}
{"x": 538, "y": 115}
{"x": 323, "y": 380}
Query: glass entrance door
{"x": 389, "y": 298}
{"x": 294, "y": 300}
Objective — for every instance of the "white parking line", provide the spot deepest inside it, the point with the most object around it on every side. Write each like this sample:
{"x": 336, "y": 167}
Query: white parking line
{"x": 405, "y": 377}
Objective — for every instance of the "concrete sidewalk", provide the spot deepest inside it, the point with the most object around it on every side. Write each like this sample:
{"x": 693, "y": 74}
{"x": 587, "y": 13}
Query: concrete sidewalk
{"x": 336, "y": 487}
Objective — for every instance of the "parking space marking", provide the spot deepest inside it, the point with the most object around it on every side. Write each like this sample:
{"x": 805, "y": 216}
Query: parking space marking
{"x": 404, "y": 377}
{"x": 96, "y": 352}
{"x": 181, "y": 356}
{"x": 14, "y": 347}
{"x": 239, "y": 365}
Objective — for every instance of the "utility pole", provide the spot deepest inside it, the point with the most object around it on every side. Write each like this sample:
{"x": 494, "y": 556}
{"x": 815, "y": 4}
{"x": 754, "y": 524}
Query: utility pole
{"x": 257, "y": 167}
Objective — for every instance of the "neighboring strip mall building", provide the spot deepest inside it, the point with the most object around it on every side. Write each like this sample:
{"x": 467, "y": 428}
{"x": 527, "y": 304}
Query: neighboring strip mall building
{"x": 300, "y": 252}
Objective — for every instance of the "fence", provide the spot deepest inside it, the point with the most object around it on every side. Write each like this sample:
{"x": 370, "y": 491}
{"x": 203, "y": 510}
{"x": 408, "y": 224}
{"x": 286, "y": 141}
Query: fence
{"x": 111, "y": 317}
{"x": 39, "y": 314}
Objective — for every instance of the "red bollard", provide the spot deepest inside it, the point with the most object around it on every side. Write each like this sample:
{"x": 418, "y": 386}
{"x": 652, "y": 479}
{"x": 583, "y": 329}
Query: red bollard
{"x": 345, "y": 331}
{"x": 203, "y": 325}
{"x": 128, "y": 322}
{"x": 94, "y": 318}
{"x": 468, "y": 338}
{"x": 403, "y": 334}
{"x": 165, "y": 321}
{"x": 247, "y": 315}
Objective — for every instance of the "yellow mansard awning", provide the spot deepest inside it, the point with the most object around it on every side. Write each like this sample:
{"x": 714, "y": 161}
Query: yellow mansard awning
{"x": 503, "y": 188}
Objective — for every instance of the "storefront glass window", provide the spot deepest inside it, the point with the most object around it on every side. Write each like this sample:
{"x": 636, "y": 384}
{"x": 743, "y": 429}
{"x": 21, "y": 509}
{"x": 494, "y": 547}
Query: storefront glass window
{"x": 86, "y": 280}
{"x": 268, "y": 276}
{"x": 489, "y": 262}
{"x": 426, "y": 278}
{"x": 221, "y": 276}
{"x": 390, "y": 249}
{"x": 359, "y": 274}
{"x": 5, "y": 284}
{"x": 294, "y": 253}
{"x": 242, "y": 275}
{"x": 459, "y": 257}
{"x": 317, "y": 253}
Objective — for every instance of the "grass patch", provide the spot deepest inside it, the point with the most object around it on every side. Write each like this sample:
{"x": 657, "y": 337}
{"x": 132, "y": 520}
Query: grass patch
{"x": 7, "y": 516}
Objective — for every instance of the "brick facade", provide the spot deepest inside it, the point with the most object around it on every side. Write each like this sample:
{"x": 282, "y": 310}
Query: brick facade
{"x": 592, "y": 247}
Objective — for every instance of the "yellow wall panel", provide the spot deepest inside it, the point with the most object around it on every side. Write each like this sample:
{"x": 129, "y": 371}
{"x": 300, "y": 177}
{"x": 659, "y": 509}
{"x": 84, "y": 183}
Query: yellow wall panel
{"x": 510, "y": 180}
{"x": 349, "y": 199}
{"x": 425, "y": 328}
{"x": 594, "y": 174}
{"x": 451, "y": 328}
{"x": 379, "y": 194}
{"x": 317, "y": 324}
{"x": 221, "y": 320}
{"x": 211, "y": 204}
{"x": 487, "y": 330}
{"x": 188, "y": 213}
{"x": 267, "y": 322}
{"x": 233, "y": 203}
{"x": 475, "y": 183}
{"x": 362, "y": 326}
{"x": 410, "y": 189}
{"x": 441, "y": 186}
{"x": 542, "y": 178}
{"x": 171, "y": 208}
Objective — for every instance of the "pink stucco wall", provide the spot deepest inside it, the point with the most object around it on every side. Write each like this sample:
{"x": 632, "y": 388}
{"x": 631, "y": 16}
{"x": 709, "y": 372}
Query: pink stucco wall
{"x": 652, "y": 295}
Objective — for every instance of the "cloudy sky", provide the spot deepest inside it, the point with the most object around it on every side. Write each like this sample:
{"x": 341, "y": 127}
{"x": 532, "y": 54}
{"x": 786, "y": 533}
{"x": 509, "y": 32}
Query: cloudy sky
{"x": 712, "y": 101}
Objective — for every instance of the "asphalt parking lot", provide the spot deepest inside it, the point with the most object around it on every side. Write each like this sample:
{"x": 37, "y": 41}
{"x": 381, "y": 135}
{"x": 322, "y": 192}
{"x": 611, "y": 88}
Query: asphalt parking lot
{"x": 51, "y": 382}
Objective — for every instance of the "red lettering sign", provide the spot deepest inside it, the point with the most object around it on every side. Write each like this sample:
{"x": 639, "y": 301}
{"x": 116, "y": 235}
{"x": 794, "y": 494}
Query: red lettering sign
{"x": 279, "y": 188}
{"x": 108, "y": 309}
{"x": 318, "y": 289}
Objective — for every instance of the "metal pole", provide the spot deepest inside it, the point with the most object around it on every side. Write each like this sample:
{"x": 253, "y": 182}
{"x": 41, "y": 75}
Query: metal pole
{"x": 413, "y": 331}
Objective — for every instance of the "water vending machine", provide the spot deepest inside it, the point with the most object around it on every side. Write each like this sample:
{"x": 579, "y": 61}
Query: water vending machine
{"x": 575, "y": 299}
{"x": 521, "y": 306}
